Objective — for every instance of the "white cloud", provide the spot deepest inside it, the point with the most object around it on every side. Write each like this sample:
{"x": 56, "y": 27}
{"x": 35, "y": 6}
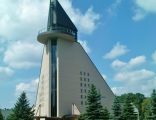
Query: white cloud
{"x": 117, "y": 50}
{"x": 112, "y": 9}
{"x": 30, "y": 88}
{"x": 23, "y": 19}
{"x": 134, "y": 76}
{"x": 139, "y": 15}
{"x": 104, "y": 76}
{"x": 119, "y": 90}
{"x": 154, "y": 57}
{"x": 85, "y": 46}
{"x": 23, "y": 55}
{"x": 143, "y": 8}
{"x": 134, "y": 62}
{"x": 5, "y": 73}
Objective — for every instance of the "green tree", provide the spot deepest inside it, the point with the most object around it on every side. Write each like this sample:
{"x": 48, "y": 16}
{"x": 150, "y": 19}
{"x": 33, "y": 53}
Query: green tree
{"x": 117, "y": 110}
{"x": 106, "y": 114}
{"x": 153, "y": 105}
{"x": 146, "y": 108}
{"x": 1, "y": 116}
{"x": 94, "y": 109}
{"x": 128, "y": 110}
{"x": 22, "y": 109}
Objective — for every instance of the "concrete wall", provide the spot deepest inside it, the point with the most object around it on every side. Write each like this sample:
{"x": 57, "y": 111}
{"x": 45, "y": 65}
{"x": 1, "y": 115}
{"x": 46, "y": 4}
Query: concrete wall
{"x": 72, "y": 60}
{"x": 42, "y": 107}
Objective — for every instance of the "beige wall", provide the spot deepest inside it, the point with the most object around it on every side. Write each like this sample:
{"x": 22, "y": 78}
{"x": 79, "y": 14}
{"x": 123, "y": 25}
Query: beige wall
{"x": 72, "y": 59}
{"x": 43, "y": 95}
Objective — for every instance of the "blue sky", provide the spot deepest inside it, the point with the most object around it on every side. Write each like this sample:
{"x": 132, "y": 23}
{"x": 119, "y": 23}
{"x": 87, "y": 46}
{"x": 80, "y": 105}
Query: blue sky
{"x": 118, "y": 35}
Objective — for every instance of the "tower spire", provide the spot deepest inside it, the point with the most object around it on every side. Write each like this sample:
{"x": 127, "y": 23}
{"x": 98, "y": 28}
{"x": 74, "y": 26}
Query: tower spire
{"x": 59, "y": 20}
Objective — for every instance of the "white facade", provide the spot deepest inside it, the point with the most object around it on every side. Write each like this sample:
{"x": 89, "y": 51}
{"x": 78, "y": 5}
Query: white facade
{"x": 75, "y": 73}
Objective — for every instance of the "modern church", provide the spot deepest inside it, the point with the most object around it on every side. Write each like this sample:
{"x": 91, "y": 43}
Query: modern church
{"x": 67, "y": 72}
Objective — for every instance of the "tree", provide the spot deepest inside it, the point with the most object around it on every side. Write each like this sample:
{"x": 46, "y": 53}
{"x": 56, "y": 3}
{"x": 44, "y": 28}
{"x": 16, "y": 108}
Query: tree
{"x": 153, "y": 105}
{"x": 1, "y": 116}
{"x": 106, "y": 114}
{"x": 146, "y": 108}
{"x": 128, "y": 110}
{"x": 117, "y": 110}
{"x": 22, "y": 109}
{"x": 94, "y": 109}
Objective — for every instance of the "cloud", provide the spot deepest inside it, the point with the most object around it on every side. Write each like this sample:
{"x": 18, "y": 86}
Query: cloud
{"x": 117, "y": 50}
{"x": 23, "y": 55}
{"x": 143, "y": 8}
{"x": 86, "y": 22}
{"x": 113, "y": 8}
{"x": 134, "y": 76}
{"x": 5, "y": 73}
{"x": 145, "y": 87}
{"x": 134, "y": 62}
{"x": 16, "y": 24}
{"x": 85, "y": 46}
{"x": 139, "y": 15}
{"x": 104, "y": 76}
{"x": 154, "y": 57}
{"x": 119, "y": 90}
{"x": 30, "y": 88}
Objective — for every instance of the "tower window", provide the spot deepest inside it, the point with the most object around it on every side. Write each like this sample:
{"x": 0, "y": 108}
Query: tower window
{"x": 87, "y": 74}
{"x": 81, "y": 102}
{"x": 81, "y": 90}
{"x": 81, "y": 96}
{"x": 80, "y": 73}
{"x": 84, "y": 73}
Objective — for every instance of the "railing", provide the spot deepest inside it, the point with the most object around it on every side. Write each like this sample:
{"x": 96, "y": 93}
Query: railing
{"x": 61, "y": 30}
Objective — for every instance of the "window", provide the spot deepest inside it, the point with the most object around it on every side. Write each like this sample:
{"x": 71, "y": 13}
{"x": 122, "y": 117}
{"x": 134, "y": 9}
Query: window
{"x": 85, "y": 90}
{"x": 85, "y": 79}
{"x": 81, "y": 84}
{"x": 87, "y": 74}
{"x": 81, "y": 102}
{"x": 81, "y": 91}
{"x": 88, "y": 80}
{"x": 88, "y": 85}
{"x": 81, "y": 78}
{"x": 80, "y": 73}
{"x": 84, "y": 73}
{"x": 81, "y": 96}
{"x": 85, "y": 84}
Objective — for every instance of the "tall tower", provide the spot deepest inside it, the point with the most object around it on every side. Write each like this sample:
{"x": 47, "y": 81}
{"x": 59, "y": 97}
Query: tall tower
{"x": 67, "y": 71}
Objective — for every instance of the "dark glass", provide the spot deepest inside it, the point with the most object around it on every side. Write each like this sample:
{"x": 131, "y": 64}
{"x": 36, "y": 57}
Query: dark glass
{"x": 53, "y": 78}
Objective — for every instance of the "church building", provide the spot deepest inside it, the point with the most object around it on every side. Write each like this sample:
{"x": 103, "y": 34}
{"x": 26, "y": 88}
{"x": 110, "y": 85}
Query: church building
{"x": 67, "y": 72}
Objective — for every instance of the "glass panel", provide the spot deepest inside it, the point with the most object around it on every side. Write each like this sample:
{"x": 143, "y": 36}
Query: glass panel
{"x": 53, "y": 78}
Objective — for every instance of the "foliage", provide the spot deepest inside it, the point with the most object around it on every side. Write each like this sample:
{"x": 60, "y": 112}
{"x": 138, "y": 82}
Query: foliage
{"x": 146, "y": 108}
{"x": 117, "y": 110}
{"x": 128, "y": 110}
{"x": 136, "y": 99}
{"x": 106, "y": 114}
{"x": 1, "y": 116}
{"x": 22, "y": 110}
{"x": 94, "y": 108}
{"x": 153, "y": 105}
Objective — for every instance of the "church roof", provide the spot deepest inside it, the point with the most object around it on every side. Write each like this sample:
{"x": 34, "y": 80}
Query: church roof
{"x": 59, "y": 20}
